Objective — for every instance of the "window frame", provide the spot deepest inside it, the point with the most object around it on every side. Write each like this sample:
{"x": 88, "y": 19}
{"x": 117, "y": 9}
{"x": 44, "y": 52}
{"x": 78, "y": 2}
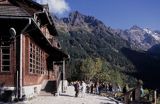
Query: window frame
{"x": 8, "y": 60}
{"x": 36, "y": 54}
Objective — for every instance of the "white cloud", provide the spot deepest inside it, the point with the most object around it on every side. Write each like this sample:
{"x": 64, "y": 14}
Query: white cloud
{"x": 56, "y": 6}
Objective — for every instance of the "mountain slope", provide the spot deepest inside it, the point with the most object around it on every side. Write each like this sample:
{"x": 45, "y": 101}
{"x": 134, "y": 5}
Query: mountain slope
{"x": 91, "y": 36}
{"x": 85, "y": 36}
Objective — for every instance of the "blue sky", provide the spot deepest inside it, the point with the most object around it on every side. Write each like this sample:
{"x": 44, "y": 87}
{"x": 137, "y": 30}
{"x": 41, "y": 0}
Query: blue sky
{"x": 121, "y": 13}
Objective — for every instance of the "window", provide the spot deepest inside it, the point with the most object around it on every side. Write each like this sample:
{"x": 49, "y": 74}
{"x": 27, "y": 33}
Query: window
{"x": 37, "y": 63}
{"x": 5, "y": 57}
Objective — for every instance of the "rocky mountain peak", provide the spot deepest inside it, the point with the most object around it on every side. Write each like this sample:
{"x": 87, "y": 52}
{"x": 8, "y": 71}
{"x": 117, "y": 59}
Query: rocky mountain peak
{"x": 135, "y": 27}
{"x": 141, "y": 38}
{"x": 75, "y": 14}
{"x": 76, "y": 20}
{"x": 137, "y": 37}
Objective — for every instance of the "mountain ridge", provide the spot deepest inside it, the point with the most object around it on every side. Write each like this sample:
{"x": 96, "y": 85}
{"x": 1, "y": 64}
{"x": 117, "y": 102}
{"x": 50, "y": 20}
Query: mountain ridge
{"x": 85, "y": 36}
{"x": 139, "y": 38}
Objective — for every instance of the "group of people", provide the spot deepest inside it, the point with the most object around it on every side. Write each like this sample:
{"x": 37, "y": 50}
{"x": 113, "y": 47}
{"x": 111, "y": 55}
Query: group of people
{"x": 80, "y": 88}
{"x": 98, "y": 88}
{"x": 107, "y": 87}
{"x": 94, "y": 88}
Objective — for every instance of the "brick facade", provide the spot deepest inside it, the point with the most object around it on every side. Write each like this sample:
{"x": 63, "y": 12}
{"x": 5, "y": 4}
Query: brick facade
{"x": 30, "y": 78}
{"x": 8, "y": 78}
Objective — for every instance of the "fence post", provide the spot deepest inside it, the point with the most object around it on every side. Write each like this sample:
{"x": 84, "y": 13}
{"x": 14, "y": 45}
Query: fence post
{"x": 126, "y": 98}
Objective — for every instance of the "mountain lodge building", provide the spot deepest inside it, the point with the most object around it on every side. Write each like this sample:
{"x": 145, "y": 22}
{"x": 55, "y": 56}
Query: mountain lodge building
{"x": 29, "y": 49}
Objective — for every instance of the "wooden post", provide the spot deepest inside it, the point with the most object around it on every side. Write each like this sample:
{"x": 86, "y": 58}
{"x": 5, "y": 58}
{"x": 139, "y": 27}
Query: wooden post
{"x": 63, "y": 76}
{"x": 126, "y": 98}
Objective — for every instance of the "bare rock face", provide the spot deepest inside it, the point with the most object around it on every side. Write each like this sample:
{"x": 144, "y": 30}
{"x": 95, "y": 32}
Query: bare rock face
{"x": 138, "y": 38}
{"x": 141, "y": 38}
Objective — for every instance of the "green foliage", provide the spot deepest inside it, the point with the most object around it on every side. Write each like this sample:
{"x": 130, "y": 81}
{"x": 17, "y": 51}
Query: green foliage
{"x": 90, "y": 67}
{"x": 111, "y": 74}
{"x": 98, "y": 65}
{"x": 116, "y": 77}
{"x": 96, "y": 56}
{"x": 102, "y": 76}
{"x": 99, "y": 70}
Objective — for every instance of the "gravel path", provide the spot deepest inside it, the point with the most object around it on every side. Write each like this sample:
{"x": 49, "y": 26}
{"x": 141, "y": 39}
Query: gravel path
{"x": 69, "y": 98}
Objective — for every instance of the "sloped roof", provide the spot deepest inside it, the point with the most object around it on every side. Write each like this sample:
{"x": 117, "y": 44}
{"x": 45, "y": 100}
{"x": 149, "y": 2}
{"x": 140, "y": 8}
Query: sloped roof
{"x": 4, "y": 2}
{"x": 28, "y": 8}
{"x": 10, "y": 10}
{"x": 19, "y": 7}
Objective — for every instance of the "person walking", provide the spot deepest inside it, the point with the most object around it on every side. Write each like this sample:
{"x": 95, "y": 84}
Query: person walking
{"x": 110, "y": 88}
{"x": 83, "y": 89}
{"x": 92, "y": 86}
{"x": 97, "y": 88}
{"x": 76, "y": 87}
